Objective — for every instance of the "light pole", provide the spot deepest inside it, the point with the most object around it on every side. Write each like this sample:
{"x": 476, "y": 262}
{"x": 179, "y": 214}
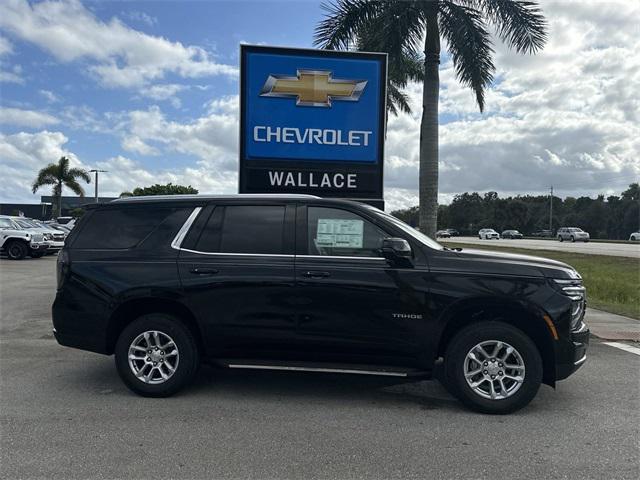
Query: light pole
{"x": 551, "y": 211}
{"x": 96, "y": 171}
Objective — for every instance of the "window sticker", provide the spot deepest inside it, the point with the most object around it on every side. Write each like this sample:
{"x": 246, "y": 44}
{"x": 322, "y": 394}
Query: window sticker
{"x": 339, "y": 233}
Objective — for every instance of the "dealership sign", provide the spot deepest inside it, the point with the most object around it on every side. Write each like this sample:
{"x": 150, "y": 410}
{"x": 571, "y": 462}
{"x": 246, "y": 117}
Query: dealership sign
{"x": 312, "y": 121}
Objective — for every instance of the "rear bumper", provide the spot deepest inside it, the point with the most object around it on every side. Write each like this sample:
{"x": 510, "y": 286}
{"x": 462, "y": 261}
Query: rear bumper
{"x": 577, "y": 353}
{"x": 77, "y": 328}
{"x": 80, "y": 342}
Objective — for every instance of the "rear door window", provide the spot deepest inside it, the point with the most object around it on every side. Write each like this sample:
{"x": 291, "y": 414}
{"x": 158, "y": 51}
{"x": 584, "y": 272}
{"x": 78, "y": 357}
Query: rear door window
{"x": 120, "y": 228}
{"x": 248, "y": 229}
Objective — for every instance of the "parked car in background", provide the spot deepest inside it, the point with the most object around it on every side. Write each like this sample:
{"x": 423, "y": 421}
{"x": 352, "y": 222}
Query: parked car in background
{"x": 488, "y": 234}
{"x": 543, "y": 233}
{"x": 65, "y": 220}
{"x": 17, "y": 242}
{"x": 453, "y": 232}
{"x": 573, "y": 234}
{"x": 443, "y": 234}
{"x": 634, "y": 237}
{"x": 63, "y": 228}
{"x": 53, "y": 239}
{"x": 513, "y": 234}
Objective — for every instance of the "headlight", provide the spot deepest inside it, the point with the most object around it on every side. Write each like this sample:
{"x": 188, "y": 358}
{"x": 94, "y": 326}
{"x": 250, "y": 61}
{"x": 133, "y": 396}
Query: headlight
{"x": 578, "y": 295}
{"x": 48, "y": 236}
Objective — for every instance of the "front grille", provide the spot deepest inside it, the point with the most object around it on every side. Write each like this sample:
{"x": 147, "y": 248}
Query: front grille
{"x": 37, "y": 237}
{"x": 58, "y": 237}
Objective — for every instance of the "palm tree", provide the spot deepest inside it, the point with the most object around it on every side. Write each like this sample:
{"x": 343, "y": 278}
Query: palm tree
{"x": 60, "y": 175}
{"x": 400, "y": 28}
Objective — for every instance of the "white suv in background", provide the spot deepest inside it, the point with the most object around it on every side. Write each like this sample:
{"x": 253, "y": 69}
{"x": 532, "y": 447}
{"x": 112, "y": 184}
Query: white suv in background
{"x": 17, "y": 242}
{"x": 573, "y": 234}
{"x": 488, "y": 234}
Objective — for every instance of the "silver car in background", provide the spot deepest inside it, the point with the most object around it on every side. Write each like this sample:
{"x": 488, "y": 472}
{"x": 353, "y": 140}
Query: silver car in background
{"x": 488, "y": 234}
{"x": 573, "y": 234}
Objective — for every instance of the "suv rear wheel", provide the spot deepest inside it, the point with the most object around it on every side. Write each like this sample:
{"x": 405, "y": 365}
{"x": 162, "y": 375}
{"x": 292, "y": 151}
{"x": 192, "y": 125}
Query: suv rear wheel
{"x": 493, "y": 367}
{"x": 16, "y": 249}
{"x": 156, "y": 355}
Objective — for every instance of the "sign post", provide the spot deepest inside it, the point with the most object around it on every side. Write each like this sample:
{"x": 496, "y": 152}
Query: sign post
{"x": 312, "y": 121}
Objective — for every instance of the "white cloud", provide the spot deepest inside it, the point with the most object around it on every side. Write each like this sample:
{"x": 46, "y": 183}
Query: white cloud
{"x": 23, "y": 154}
{"x": 26, "y": 118}
{"x": 118, "y": 56}
{"x": 569, "y": 116}
{"x": 212, "y": 139}
{"x": 49, "y": 96}
{"x": 141, "y": 17}
{"x": 5, "y": 46}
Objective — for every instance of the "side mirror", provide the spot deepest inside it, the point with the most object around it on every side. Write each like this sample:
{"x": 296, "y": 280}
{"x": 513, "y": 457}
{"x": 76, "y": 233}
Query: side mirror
{"x": 397, "y": 251}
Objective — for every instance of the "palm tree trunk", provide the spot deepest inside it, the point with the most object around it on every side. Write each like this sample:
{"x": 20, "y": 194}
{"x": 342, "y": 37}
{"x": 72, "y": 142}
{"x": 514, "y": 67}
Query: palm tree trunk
{"x": 58, "y": 193}
{"x": 428, "y": 179}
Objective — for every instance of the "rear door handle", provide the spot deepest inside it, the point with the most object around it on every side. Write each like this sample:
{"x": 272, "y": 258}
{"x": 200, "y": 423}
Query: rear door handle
{"x": 203, "y": 271}
{"x": 313, "y": 274}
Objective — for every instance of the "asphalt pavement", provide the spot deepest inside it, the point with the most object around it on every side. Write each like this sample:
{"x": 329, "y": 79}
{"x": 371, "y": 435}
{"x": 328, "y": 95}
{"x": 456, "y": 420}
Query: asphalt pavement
{"x": 65, "y": 414}
{"x": 623, "y": 249}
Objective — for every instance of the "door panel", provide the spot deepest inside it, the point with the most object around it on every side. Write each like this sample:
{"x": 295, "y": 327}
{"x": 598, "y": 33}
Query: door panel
{"x": 238, "y": 277}
{"x": 356, "y": 307}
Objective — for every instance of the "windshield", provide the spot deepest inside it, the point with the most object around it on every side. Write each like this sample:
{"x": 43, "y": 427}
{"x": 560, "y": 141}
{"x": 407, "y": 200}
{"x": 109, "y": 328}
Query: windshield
{"x": 24, "y": 223}
{"x": 575, "y": 229}
{"x": 418, "y": 235}
{"x": 5, "y": 223}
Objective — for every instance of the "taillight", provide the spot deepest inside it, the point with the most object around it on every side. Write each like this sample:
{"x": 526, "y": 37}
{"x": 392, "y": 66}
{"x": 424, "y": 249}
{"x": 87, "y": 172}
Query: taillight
{"x": 62, "y": 267}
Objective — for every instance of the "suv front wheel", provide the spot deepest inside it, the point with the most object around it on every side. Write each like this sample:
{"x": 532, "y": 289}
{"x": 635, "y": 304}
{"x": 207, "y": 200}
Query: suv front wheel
{"x": 156, "y": 355}
{"x": 16, "y": 249}
{"x": 493, "y": 367}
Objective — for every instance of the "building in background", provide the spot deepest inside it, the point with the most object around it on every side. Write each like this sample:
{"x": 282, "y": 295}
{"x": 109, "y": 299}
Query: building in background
{"x": 44, "y": 209}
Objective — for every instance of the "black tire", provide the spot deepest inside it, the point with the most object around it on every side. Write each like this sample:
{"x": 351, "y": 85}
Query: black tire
{"x": 16, "y": 249}
{"x": 561, "y": 239}
{"x": 573, "y": 239}
{"x": 188, "y": 360}
{"x": 471, "y": 336}
{"x": 36, "y": 254}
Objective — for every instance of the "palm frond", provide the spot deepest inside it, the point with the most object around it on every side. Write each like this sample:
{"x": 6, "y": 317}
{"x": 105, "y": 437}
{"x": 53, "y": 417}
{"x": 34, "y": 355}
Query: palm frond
{"x": 519, "y": 23}
{"x": 63, "y": 165}
{"x": 397, "y": 100}
{"x": 470, "y": 46}
{"x": 74, "y": 173}
{"x": 342, "y": 21}
{"x": 74, "y": 186}
{"x": 46, "y": 176}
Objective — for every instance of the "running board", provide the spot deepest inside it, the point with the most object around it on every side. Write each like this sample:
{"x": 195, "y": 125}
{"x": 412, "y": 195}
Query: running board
{"x": 369, "y": 370}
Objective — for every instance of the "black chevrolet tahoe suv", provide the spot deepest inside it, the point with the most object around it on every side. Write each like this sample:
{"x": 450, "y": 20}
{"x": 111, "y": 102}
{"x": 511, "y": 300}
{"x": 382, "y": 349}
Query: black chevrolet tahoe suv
{"x": 296, "y": 282}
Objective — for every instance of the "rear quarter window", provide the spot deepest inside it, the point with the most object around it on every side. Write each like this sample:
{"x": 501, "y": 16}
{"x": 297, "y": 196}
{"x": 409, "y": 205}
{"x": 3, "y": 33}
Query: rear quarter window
{"x": 119, "y": 228}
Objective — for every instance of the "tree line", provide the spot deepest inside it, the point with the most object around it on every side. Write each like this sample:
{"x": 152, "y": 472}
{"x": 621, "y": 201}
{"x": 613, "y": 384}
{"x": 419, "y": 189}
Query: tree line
{"x": 612, "y": 217}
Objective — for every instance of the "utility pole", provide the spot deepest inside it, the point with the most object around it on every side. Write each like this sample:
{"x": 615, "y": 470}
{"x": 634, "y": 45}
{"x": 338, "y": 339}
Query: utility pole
{"x": 551, "y": 211}
{"x": 96, "y": 171}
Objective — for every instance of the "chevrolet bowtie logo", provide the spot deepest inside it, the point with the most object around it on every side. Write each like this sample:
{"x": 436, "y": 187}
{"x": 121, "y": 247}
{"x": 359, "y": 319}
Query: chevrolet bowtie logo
{"x": 313, "y": 88}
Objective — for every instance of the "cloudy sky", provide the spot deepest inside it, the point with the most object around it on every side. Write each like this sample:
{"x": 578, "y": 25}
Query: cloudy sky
{"x": 148, "y": 91}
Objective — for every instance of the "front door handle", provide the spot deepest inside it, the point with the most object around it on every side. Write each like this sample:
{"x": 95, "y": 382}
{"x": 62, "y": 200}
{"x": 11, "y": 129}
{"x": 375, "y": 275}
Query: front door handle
{"x": 313, "y": 274}
{"x": 203, "y": 271}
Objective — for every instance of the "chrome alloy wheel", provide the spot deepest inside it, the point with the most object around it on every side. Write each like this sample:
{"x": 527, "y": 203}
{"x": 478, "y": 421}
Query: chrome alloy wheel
{"x": 153, "y": 357}
{"x": 494, "y": 369}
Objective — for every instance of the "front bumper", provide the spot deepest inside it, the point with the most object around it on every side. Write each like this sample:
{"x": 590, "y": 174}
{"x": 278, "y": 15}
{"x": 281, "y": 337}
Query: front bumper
{"x": 576, "y": 352}
{"x": 53, "y": 246}
{"x": 38, "y": 246}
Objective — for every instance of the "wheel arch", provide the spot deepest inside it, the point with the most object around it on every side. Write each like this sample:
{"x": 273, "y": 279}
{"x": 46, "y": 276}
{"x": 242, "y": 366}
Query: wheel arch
{"x": 525, "y": 317}
{"x": 131, "y": 309}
